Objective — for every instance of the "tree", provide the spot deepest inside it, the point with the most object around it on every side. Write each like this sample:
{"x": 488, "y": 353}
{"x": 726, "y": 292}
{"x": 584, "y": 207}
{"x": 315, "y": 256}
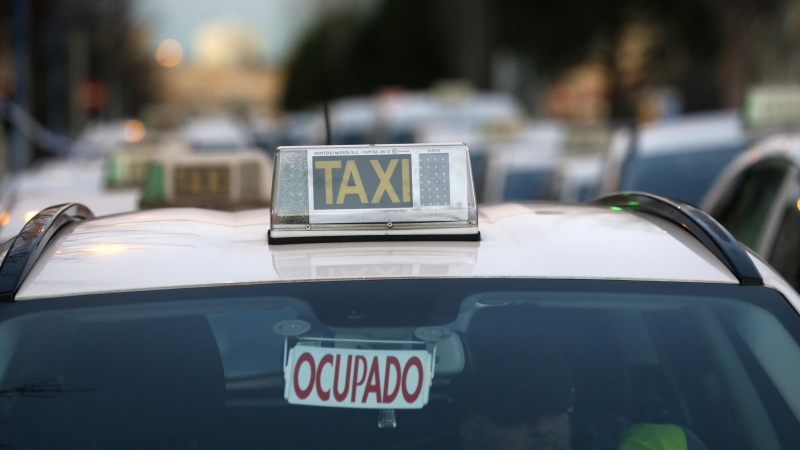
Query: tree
{"x": 701, "y": 45}
{"x": 348, "y": 55}
{"x": 414, "y": 43}
{"x": 738, "y": 23}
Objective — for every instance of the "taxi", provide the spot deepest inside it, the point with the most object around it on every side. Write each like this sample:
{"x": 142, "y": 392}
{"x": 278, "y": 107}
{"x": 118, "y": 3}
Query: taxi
{"x": 175, "y": 171}
{"x": 374, "y": 305}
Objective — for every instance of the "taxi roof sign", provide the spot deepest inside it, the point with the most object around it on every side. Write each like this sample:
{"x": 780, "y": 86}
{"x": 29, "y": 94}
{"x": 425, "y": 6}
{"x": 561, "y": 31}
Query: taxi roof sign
{"x": 373, "y": 192}
{"x": 772, "y": 106}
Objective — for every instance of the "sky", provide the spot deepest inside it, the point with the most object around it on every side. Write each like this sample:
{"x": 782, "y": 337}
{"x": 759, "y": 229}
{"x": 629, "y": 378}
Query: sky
{"x": 280, "y": 23}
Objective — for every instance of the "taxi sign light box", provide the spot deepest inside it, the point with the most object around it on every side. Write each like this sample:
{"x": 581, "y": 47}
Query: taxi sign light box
{"x": 222, "y": 180}
{"x": 368, "y": 379}
{"x": 373, "y": 190}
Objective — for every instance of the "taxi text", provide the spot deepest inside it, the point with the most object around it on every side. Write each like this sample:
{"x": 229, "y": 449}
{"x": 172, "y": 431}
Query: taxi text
{"x": 364, "y": 181}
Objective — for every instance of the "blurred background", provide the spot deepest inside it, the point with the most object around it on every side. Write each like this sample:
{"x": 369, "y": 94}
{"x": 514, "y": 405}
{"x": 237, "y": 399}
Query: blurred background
{"x": 130, "y": 104}
{"x": 74, "y": 63}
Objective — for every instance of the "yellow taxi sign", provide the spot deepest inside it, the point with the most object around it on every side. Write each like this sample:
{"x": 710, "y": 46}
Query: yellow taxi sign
{"x": 359, "y": 174}
{"x": 373, "y": 190}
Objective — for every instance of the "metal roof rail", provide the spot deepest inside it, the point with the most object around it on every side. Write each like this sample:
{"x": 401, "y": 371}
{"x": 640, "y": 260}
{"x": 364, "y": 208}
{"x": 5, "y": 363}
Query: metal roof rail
{"x": 694, "y": 220}
{"x": 30, "y": 242}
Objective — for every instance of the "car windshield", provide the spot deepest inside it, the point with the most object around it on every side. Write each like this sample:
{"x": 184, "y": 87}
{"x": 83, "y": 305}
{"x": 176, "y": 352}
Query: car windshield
{"x": 403, "y": 364}
{"x": 686, "y": 176}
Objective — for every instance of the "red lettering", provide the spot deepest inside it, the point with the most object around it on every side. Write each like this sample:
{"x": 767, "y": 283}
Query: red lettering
{"x": 356, "y": 382}
{"x": 323, "y": 395}
{"x": 340, "y": 396}
{"x": 412, "y": 397}
{"x": 388, "y": 397}
{"x": 302, "y": 394}
{"x": 373, "y": 382}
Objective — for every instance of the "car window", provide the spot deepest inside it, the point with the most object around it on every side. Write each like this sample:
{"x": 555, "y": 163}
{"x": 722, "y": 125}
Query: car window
{"x": 596, "y": 360}
{"x": 746, "y": 209}
{"x": 686, "y": 176}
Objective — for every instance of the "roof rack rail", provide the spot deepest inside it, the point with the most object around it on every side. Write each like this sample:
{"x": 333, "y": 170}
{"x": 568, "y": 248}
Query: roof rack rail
{"x": 697, "y": 222}
{"x": 30, "y": 242}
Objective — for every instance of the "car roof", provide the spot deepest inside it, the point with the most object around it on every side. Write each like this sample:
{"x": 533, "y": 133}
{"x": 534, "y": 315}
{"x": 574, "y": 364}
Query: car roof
{"x": 183, "y": 247}
{"x": 694, "y": 132}
{"x": 22, "y": 208}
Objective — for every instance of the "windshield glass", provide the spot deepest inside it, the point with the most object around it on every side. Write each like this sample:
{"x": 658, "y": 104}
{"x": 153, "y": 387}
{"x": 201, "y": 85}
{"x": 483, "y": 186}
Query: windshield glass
{"x": 686, "y": 176}
{"x": 404, "y": 364}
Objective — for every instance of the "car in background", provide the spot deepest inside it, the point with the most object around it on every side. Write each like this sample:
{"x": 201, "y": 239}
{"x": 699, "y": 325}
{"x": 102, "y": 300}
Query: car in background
{"x": 477, "y": 137}
{"x": 520, "y": 166}
{"x": 353, "y": 121}
{"x": 99, "y": 138}
{"x": 302, "y": 128}
{"x": 400, "y": 115}
{"x": 757, "y": 198}
{"x": 218, "y": 134}
{"x": 678, "y": 158}
{"x": 577, "y": 179}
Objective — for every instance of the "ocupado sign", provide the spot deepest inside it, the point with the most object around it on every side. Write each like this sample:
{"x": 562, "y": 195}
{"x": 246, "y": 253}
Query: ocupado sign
{"x": 370, "y": 379}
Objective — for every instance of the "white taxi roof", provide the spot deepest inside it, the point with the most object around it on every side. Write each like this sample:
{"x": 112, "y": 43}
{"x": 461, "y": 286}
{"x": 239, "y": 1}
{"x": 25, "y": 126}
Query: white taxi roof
{"x": 23, "y": 208}
{"x": 172, "y": 248}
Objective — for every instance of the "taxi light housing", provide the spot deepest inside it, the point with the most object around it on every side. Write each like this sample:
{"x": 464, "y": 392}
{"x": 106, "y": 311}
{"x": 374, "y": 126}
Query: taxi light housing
{"x": 373, "y": 192}
{"x": 223, "y": 180}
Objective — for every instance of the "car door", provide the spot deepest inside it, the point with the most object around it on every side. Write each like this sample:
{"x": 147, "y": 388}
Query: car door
{"x": 749, "y": 211}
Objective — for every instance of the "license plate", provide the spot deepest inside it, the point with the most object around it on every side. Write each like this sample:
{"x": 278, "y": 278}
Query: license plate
{"x": 368, "y": 379}
{"x": 191, "y": 181}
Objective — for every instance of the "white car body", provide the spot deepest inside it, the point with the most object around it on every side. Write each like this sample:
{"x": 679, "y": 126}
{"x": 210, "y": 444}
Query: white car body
{"x": 174, "y": 248}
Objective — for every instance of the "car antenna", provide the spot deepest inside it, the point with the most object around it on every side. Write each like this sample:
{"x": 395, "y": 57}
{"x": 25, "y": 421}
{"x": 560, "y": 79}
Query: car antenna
{"x": 327, "y": 123}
